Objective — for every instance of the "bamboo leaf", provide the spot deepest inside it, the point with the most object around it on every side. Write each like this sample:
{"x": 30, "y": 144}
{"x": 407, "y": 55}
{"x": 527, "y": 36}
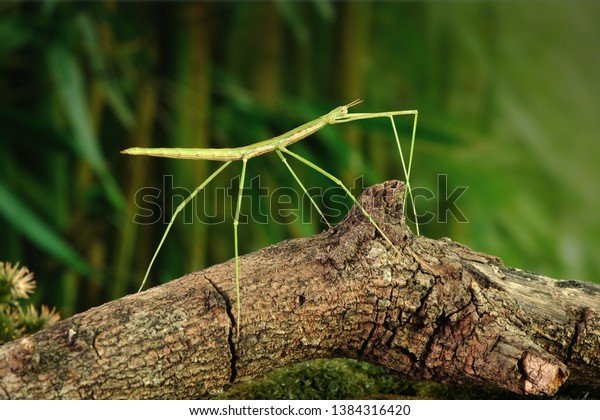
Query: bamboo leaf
{"x": 98, "y": 60}
{"x": 34, "y": 228}
{"x": 69, "y": 83}
{"x": 13, "y": 35}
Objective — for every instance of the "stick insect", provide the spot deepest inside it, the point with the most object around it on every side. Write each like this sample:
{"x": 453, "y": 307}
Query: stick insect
{"x": 279, "y": 144}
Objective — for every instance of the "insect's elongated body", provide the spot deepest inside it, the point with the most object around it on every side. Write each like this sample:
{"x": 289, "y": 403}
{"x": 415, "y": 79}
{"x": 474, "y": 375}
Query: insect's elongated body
{"x": 230, "y": 154}
{"x": 278, "y": 144}
{"x": 252, "y": 150}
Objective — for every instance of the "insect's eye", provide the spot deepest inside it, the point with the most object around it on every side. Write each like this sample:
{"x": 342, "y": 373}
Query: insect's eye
{"x": 338, "y": 113}
{"x": 341, "y": 111}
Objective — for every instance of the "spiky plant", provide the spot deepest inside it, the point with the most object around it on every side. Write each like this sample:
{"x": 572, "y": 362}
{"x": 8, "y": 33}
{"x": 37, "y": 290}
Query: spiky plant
{"x": 16, "y": 283}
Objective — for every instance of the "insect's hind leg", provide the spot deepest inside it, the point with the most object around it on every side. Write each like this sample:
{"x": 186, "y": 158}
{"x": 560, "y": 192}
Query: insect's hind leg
{"x": 285, "y": 162}
{"x": 179, "y": 208}
{"x": 235, "y": 243}
{"x": 346, "y": 190}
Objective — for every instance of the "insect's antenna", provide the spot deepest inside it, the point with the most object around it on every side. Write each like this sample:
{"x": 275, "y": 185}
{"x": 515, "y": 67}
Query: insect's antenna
{"x": 354, "y": 102}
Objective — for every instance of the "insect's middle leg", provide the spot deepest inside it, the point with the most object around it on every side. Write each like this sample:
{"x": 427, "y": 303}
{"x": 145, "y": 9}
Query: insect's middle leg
{"x": 346, "y": 190}
{"x": 285, "y": 162}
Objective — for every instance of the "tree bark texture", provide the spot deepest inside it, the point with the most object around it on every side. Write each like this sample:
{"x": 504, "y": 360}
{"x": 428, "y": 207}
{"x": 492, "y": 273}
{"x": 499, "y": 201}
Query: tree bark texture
{"x": 431, "y": 309}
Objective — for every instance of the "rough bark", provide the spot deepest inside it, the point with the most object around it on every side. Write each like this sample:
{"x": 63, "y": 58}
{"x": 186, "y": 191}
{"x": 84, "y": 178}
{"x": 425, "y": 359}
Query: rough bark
{"x": 435, "y": 310}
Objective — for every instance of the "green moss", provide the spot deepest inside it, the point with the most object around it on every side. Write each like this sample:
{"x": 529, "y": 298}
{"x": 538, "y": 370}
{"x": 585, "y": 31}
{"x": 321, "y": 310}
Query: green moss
{"x": 321, "y": 379}
{"x": 342, "y": 379}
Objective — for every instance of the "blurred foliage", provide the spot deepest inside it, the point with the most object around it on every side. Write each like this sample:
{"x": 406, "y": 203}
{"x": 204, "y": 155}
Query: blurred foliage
{"x": 507, "y": 92}
{"x": 15, "y": 320}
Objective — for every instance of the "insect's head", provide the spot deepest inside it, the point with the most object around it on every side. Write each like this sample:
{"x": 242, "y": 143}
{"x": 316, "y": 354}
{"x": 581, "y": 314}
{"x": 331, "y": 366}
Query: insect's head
{"x": 341, "y": 111}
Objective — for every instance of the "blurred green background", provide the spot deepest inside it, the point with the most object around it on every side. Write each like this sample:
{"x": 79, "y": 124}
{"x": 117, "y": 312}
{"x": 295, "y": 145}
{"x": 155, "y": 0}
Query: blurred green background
{"x": 508, "y": 95}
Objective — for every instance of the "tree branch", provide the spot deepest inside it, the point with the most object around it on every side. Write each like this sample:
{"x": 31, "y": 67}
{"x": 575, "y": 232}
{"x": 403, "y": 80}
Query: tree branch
{"x": 436, "y": 311}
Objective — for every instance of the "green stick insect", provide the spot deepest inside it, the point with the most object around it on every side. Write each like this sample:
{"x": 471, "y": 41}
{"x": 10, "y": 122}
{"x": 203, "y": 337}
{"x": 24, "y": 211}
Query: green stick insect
{"x": 278, "y": 144}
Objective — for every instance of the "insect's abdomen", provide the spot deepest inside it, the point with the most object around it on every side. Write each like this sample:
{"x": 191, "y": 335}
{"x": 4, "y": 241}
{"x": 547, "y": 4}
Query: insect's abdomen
{"x": 177, "y": 153}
